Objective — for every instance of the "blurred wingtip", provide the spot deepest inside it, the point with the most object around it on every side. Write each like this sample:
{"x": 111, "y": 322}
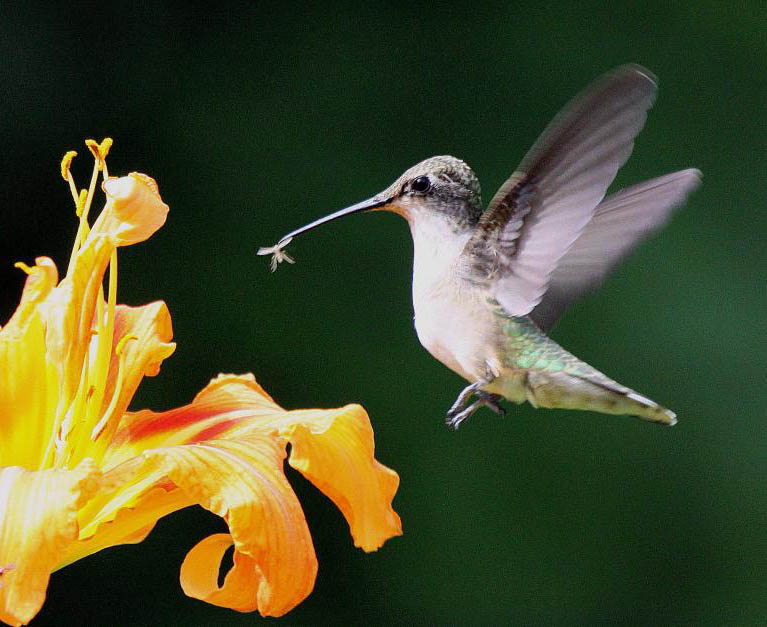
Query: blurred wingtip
{"x": 635, "y": 69}
{"x": 691, "y": 177}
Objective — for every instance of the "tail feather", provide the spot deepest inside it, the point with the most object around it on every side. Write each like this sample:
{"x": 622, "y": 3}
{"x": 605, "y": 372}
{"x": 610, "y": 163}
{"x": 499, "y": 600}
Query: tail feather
{"x": 593, "y": 391}
{"x": 555, "y": 378}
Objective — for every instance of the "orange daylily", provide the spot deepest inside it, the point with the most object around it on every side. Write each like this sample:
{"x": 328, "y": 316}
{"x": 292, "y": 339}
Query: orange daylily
{"x": 79, "y": 473}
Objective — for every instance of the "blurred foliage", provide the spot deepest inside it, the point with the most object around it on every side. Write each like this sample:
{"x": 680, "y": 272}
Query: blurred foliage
{"x": 257, "y": 117}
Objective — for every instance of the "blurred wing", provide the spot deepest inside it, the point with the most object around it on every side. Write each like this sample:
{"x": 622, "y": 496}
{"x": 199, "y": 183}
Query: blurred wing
{"x": 545, "y": 205}
{"x": 620, "y": 222}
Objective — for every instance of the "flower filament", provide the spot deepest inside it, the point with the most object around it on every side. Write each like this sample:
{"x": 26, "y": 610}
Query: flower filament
{"x": 84, "y": 419}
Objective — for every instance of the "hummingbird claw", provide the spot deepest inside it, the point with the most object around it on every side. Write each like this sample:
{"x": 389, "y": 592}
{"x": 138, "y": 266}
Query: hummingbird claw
{"x": 454, "y": 420}
{"x": 458, "y": 412}
{"x": 277, "y": 252}
{"x": 464, "y": 396}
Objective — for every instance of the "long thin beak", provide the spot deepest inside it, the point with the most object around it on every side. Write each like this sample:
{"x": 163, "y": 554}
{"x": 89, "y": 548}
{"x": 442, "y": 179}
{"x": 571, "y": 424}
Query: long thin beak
{"x": 365, "y": 205}
{"x": 278, "y": 250}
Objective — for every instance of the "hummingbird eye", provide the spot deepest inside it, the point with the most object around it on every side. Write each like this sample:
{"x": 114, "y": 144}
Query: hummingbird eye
{"x": 421, "y": 184}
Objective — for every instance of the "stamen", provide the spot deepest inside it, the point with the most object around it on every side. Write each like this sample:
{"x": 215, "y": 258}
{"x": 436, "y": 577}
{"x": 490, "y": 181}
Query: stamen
{"x": 66, "y": 423}
{"x": 106, "y": 330}
{"x": 83, "y": 229}
{"x": 105, "y": 419}
{"x": 66, "y": 161}
{"x": 80, "y": 201}
{"x": 120, "y": 348}
{"x": 100, "y": 150}
{"x": 25, "y": 268}
{"x": 105, "y": 146}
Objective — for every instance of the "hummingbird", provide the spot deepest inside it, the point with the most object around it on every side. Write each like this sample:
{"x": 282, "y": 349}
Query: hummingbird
{"x": 488, "y": 286}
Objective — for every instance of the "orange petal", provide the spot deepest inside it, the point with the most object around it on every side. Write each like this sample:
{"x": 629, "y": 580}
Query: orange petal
{"x": 229, "y": 405}
{"x": 29, "y": 385}
{"x": 242, "y": 481}
{"x": 335, "y": 451}
{"x": 199, "y": 575}
{"x": 123, "y": 517}
{"x": 69, "y": 310}
{"x": 38, "y": 520}
{"x": 134, "y": 209}
{"x": 41, "y": 279}
{"x": 28, "y": 394}
{"x": 150, "y": 326}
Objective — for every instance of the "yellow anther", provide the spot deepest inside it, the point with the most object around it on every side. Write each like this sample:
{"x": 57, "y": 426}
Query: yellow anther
{"x": 104, "y": 147}
{"x": 121, "y": 344}
{"x": 93, "y": 146}
{"x": 25, "y": 268}
{"x": 81, "y": 202}
{"x": 66, "y": 162}
{"x": 99, "y": 150}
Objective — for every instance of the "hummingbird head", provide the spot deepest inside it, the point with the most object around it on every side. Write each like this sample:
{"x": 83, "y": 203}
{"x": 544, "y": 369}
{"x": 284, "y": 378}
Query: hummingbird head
{"x": 439, "y": 186}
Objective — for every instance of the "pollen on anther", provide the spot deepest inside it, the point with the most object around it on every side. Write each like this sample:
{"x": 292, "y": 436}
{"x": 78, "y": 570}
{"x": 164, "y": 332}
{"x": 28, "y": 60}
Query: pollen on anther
{"x": 104, "y": 147}
{"x": 99, "y": 150}
{"x": 66, "y": 162}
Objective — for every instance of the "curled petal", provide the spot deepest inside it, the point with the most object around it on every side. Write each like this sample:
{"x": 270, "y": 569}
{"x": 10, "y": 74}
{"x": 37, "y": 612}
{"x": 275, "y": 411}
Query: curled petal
{"x": 134, "y": 209}
{"x": 41, "y": 279}
{"x": 335, "y": 451}
{"x": 242, "y": 481}
{"x": 38, "y": 520}
{"x": 151, "y": 330}
{"x": 199, "y": 575}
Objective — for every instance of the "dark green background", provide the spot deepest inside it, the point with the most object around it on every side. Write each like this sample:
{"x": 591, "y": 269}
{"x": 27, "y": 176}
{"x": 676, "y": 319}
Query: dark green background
{"x": 254, "y": 119}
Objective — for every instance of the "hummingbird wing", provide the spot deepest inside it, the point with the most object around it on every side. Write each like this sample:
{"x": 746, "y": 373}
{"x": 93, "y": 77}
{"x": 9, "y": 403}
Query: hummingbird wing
{"x": 543, "y": 208}
{"x": 620, "y": 222}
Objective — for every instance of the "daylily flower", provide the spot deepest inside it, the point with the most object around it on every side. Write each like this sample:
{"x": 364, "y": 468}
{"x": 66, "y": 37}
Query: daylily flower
{"x": 79, "y": 472}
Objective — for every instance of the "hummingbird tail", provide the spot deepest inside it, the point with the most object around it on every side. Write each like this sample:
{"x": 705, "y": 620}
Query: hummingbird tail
{"x": 592, "y": 391}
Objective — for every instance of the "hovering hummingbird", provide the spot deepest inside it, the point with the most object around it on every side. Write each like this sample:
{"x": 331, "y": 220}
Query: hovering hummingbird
{"x": 489, "y": 285}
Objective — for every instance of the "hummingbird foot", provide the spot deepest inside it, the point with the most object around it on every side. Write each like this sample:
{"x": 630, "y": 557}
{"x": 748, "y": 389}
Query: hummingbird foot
{"x": 460, "y": 412}
{"x": 491, "y": 402}
{"x": 463, "y": 398}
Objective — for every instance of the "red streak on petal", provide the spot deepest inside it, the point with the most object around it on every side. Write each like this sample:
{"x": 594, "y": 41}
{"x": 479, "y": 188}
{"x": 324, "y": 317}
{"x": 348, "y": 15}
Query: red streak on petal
{"x": 166, "y": 484}
{"x": 212, "y": 431}
{"x": 172, "y": 420}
